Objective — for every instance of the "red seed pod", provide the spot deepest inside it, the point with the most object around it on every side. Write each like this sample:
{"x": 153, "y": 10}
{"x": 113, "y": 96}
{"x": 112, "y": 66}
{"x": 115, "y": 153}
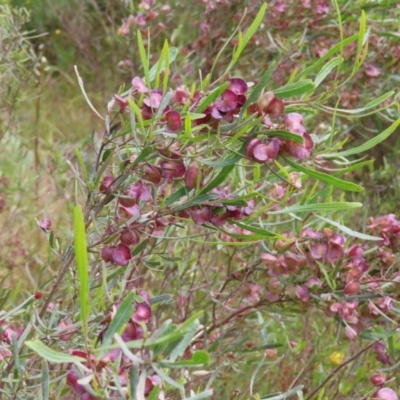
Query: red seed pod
{"x": 106, "y": 184}
{"x": 191, "y": 176}
{"x": 251, "y": 144}
{"x": 38, "y": 295}
{"x": 378, "y": 379}
{"x": 152, "y": 174}
{"x": 385, "y": 394}
{"x": 352, "y": 288}
{"x": 129, "y": 237}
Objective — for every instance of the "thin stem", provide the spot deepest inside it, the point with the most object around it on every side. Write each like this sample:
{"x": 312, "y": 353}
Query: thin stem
{"x": 336, "y": 370}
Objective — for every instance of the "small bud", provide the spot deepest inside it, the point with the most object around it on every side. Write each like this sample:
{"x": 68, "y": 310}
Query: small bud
{"x": 378, "y": 379}
{"x": 38, "y": 295}
{"x": 45, "y": 224}
{"x": 352, "y": 288}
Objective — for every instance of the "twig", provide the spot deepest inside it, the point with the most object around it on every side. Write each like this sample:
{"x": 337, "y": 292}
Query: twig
{"x": 337, "y": 369}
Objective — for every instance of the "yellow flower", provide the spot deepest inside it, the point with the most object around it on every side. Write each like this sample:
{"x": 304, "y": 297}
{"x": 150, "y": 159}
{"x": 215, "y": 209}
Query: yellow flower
{"x": 336, "y": 358}
{"x": 57, "y": 31}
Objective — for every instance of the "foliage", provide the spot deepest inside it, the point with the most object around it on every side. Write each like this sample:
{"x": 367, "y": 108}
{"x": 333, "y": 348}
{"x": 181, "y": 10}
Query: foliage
{"x": 210, "y": 241}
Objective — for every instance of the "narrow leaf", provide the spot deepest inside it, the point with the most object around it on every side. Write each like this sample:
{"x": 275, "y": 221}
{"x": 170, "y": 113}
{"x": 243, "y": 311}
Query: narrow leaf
{"x": 45, "y": 380}
{"x": 367, "y": 145}
{"x": 317, "y": 65}
{"x": 51, "y": 355}
{"x": 349, "y": 231}
{"x": 211, "y": 97}
{"x": 159, "y": 67}
{"x": 224, "y": 173}
{"x": 374, "y": 103}
{"x": 327, "y": 69}
{"x": 336, "y": 206}
{"x": 259, "y": 231}
{"x": 295, "y": 89}
{"x": 122, "y": 316}
{"x": 81, "y": 258}
{"x": 284, "y": 135}
{"x": 250, "y": 32}
{"x": 80, "y": 81}
{"x": 322, "y": 176}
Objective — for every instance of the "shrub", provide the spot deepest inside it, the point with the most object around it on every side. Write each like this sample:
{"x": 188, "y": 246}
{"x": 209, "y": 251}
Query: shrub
{"x": 206, "y": 214}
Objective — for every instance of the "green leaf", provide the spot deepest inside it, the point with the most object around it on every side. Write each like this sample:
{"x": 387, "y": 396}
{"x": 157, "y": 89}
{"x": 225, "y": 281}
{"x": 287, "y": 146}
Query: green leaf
{"x": 349, "y": 231}
{"x": 211, "y": 97}
{"x": 81, "y": 163}
{"x": 367, "y": 145}
{"x": 373, "y": 335}
{"x": 136, "y": 110}
{"x": 203, "y": 198}
{"x": 285, "y": 135}
{"x": 234, "y": 202}
{"x": 259, "y": 231}
{"x": 322, "y": 176}
{"x": 122, "y": 316}
{"x": 180, "y": 348}
{"x": 182, "y": 191}
{"x": 295, "y": 89}
{"x": 327, "y": 69}
{"x": 255, "y": 94}
{"x": 223, "y": 174}
{"x": 249, "y": 33}
{"x": 166, "y": 378}
{"x": 134, "y": 380}
{"x": 154, "y": 393}
{"x": 371, "y": 104}
{"x": 138, "y": 249}
{"x": 51, "y": 355}
{"x": 45, "y": 380}
{"x": 200, "y": 358}
{"x": 360, "y": 44}
{"x": 142, "y": 156}
{"x": 221, "y": 163}
{"x": 317, "y": 65}
{"x": 173, "y": 52}
{"x": 311, "y": 208}
{"x": 81, "y": 259}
